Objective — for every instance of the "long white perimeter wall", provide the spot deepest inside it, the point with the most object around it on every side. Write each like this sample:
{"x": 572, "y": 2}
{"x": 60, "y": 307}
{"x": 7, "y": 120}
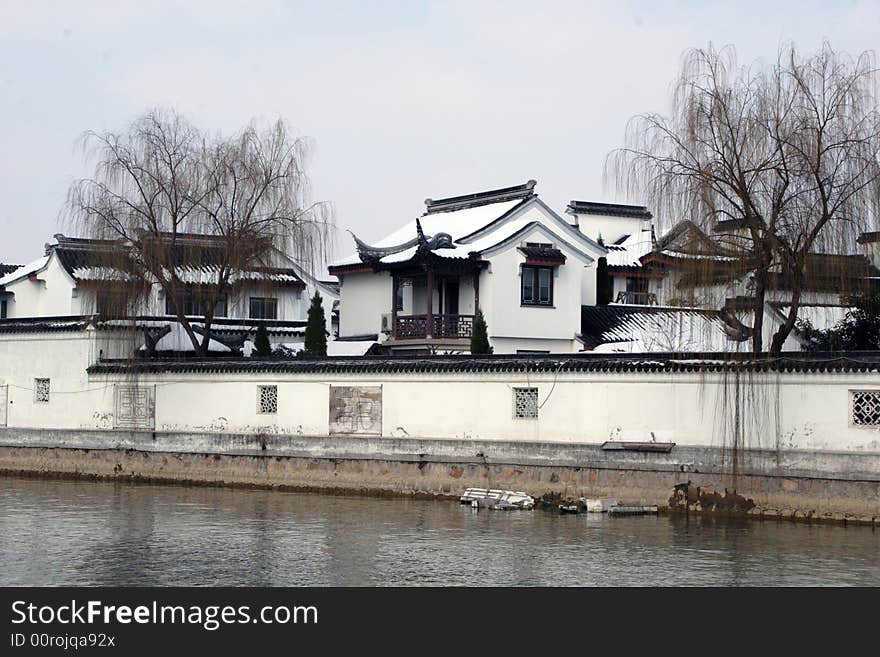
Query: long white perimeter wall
{"x": 777, "y": 410}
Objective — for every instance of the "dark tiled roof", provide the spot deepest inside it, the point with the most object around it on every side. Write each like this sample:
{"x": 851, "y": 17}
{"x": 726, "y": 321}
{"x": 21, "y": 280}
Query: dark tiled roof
{"x": 44, "y": 324}
{"x": 455, "y": 203}
{"x": 729, "y": 224}
{"x": 871, "y": 236}
{"x": 193, "y": 253}
{"x": 81, "y": 322}
{"x": 543, "y": 254}
{"x": 7, "y": 269}
{"x": 830, "y": 272}
{"x": 623, "y": 323}
{"x": 687, "y": 238}
{"x": 609, "y": 209}
{"x": 358, "y": 338}
{"x": 549, "y": 363}
{"x": 333, "y": 285}
{"x": 76, "y": 254}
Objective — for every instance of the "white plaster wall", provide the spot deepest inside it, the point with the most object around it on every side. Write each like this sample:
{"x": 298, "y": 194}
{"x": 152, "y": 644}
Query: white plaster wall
{"x": 364, "y": 297}
{"x": 506, "y": 317}
{"x": 512, "y": 345}
{"x": 813, "y": 410}
{"x": 588, "y": 285}
{"x": 231, "y": 404}
{"x": 62, "y": 357}
{"x": 610, "y": 228}
{"x": 585, "y": 408}
{"x": 51, "y": 294}
{"x": 466, "y": 295}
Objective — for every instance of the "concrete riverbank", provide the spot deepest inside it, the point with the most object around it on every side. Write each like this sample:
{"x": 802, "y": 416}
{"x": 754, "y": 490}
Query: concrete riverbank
{"x": 797, "y": 484}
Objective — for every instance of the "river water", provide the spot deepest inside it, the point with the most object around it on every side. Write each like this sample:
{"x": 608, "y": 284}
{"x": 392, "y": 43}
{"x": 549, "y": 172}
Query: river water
{"x": 90, "y": 533}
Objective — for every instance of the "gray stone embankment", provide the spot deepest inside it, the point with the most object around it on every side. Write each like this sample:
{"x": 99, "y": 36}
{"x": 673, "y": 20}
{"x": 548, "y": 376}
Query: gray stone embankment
{"x": 795, "y": 484}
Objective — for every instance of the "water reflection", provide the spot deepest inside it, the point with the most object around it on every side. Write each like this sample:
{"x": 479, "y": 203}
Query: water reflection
{"x": 87, "y": 533}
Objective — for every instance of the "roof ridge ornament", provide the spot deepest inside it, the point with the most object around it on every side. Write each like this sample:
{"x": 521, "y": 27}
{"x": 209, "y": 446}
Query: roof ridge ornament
{"x": 466, "y": 201}
{"x": 373, "y": 254}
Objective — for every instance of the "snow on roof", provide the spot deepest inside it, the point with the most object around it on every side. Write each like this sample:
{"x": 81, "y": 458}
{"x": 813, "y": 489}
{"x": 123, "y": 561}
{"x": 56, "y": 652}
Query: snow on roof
{"x": 628, "y": 252}
{"x": 458, "y": 224}
{"x": 178, "y": 340}
{"x": 349, "y": 347}
{"x": 99, "y": 274}
{"x": 821, "y": 317}
{"x": 25, "y": 270}
{"x": 249, "y": 347}
{"x": 628, "y": 329}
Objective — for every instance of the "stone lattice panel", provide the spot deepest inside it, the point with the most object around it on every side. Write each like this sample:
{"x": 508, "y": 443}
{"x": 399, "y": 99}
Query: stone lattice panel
{"x": 866, "y": 408}
{"x": 525, "y": 402}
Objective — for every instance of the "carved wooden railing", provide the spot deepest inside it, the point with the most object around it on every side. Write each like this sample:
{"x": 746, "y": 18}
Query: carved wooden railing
{"x": 410, "y": 327}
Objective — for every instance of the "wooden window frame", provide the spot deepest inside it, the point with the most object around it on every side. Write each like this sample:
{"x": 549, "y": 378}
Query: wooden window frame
{"x": 262, "y": 305}
{"x": 534, "y": 272}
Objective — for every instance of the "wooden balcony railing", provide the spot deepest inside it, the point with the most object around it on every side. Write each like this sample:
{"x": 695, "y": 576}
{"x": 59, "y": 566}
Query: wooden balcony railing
{"x": 410, "y": 327}
{"x": 637, "y": 298}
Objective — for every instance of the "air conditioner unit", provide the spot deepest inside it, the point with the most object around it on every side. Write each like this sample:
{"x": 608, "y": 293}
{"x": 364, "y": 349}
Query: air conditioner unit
{"x": 386, "y": 323}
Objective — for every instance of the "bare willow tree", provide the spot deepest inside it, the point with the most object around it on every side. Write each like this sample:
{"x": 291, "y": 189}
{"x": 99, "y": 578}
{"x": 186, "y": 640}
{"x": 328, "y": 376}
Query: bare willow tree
{"x": 787, "y": 154}
{"x": 196, "y": 214}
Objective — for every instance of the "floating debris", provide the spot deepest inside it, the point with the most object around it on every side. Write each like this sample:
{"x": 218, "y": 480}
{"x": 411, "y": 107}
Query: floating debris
{"x": 490, "y": 498}
{"x": 633, "y": 510}
{"x": 569, "y": 508}
{"x": 598, "y": 505}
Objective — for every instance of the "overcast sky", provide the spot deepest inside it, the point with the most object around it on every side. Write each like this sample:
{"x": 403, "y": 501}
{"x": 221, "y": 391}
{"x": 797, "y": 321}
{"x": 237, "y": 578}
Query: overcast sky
{"x": 403, "y": 100}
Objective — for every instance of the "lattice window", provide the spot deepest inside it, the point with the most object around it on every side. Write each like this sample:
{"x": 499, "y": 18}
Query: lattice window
{"x": 267, "y": 399}
{"x": 866, "y": 408}
{"x": 525, "y": 402}
{"x": 41, "y": 391}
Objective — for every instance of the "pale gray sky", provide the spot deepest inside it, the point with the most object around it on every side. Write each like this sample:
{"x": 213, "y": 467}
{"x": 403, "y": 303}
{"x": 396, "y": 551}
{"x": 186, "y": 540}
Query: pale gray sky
{"x": 404, "y": 100}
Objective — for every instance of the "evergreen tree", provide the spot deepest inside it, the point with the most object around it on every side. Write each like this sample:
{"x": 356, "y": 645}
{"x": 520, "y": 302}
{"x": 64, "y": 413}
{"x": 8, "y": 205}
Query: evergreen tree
{"x": 604, "y": 284}
{"x": 262, "y": 348}
{"x": 316, "y": 331}
{"x": 859, "y": 330}
{"x": 480, "y": 336}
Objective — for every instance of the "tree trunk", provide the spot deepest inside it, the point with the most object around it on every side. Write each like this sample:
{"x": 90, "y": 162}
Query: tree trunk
{"x": 758, "y": 312}
{"x": 785, "y": 330}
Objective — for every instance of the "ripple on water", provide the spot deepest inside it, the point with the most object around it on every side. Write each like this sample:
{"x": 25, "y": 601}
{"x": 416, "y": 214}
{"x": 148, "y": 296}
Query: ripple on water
{"x": 93, "y": 533}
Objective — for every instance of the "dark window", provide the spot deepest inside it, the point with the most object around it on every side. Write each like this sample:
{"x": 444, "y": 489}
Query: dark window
{"x": 537, "y": 286}
{"x": 263, "y": 308}
{"x": 398, "y": 297}
{"x": 637, "y": 285}
{"x": 110, "y": 304}
{"x": 539, "y": 245}
{"x": 195, "y": 305}
{"x": 637, "y": 290}
{"x": 3, "y": 309}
